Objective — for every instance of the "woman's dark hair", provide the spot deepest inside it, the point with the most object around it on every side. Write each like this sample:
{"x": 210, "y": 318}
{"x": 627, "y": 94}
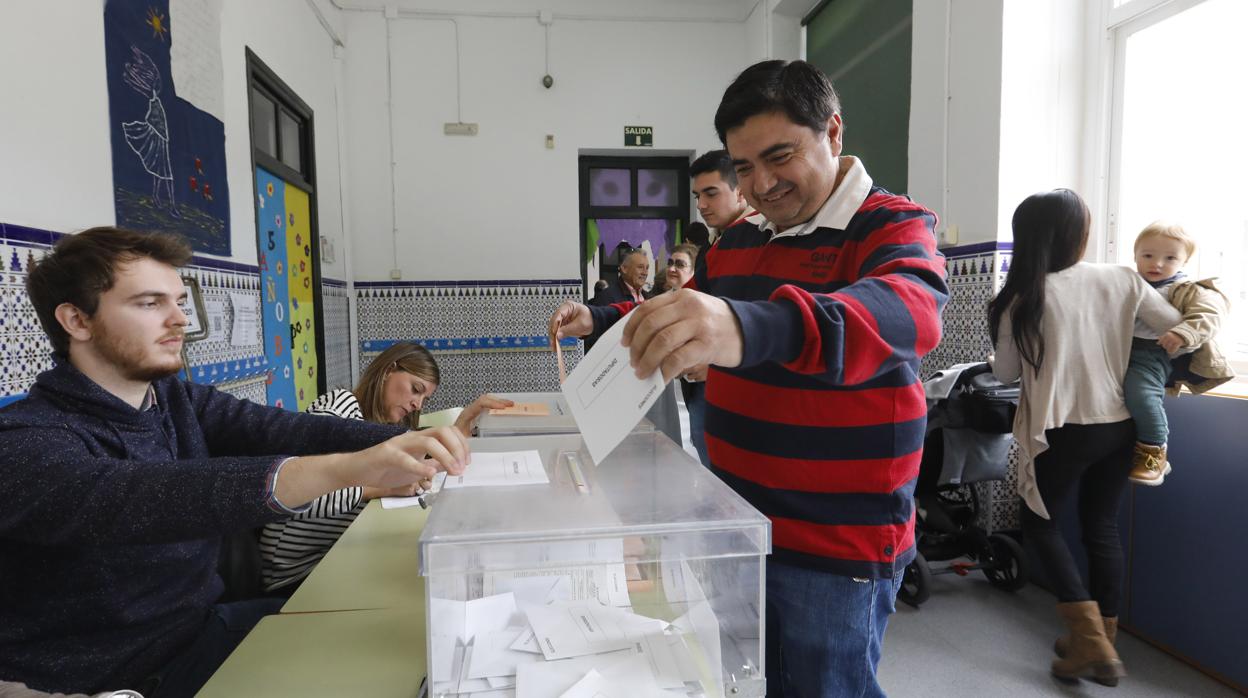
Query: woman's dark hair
{"x": 797, "y": 89}
{"x": 1050, "y": 234}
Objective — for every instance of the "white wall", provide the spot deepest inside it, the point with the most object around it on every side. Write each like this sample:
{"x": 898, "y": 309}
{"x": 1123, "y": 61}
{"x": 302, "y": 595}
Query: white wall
{"x": 499, "y": 204}
{"x": 1016, "y": 78}
{"x": 1042, "y": 102}
{"x": 286, "y": 35}
{"x": 786, "y": 36}
{"x": 757, "y": 30}
{"x": 56, "y": 157}
{"x": 955, "y": 114}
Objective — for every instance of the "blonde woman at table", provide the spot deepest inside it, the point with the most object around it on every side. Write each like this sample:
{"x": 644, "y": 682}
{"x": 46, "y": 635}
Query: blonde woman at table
{"x": 392, "y": 390}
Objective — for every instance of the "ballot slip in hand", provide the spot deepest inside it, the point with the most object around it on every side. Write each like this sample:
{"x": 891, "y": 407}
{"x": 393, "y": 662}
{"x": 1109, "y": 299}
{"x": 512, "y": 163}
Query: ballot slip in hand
{"x": 606, "y": 397}
{"x": 563, "y": 372}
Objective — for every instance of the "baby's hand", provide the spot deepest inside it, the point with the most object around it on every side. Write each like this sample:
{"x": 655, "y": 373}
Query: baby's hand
{"x": 1171, "y": 342}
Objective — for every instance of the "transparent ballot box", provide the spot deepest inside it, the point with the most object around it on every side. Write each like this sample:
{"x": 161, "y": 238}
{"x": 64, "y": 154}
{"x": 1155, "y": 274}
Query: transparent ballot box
{"x": 551, "y": 415}
{"x": 638, "y": 576}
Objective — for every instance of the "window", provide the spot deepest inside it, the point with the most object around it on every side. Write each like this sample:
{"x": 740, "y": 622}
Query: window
{"x": 281, "y": 127}
{"x": 628, "y": 202}
{"x": 292, "y": 140}
{"x": 263, "y": 122}
{"x": 1179, "y": 141}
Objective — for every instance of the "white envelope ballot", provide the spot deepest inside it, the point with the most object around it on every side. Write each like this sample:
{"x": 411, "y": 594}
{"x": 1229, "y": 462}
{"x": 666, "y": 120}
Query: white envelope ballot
{"x": 670, "y": 662}
{"x": 579, "y": 628}
{"x": 604, "y": 395}
{"x": 492, "y": 655}
{"x": 552, "y": 679}
{"x": 591, "y": 685}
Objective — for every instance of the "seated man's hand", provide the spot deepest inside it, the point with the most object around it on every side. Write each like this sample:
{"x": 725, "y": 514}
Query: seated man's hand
{"x": 570, "y": 319}
{"x": 408, "y": 459}
{"x": 677, "y": 331}
{"x": 371, "y": 493}
{"x": 697, "y": 374}
{"x": 467, "y": 420}
{"x": 1171, "y": 342}
{"x": 412, "y": 457}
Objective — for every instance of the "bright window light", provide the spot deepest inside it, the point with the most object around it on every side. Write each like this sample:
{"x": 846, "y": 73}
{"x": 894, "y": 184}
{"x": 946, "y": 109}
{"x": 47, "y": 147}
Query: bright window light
{"x": 1184, "y": 146}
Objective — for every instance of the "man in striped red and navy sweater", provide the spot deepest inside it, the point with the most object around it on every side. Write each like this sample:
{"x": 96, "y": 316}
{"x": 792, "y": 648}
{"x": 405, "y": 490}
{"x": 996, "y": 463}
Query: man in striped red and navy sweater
{"x": 814, "y": 315}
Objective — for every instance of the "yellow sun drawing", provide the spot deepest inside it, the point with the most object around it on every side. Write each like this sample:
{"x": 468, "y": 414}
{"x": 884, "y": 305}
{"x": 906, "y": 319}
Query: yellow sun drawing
{"x": 156, "y": 21}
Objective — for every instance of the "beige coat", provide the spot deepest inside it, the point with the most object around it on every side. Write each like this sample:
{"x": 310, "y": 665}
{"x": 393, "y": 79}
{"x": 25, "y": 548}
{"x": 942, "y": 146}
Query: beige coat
{"x": 1089, "y": 319}
{"x": 1203, "y": 306}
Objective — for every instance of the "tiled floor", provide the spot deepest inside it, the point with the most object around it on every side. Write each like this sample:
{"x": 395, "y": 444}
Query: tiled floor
{"x": 970, "y": 639}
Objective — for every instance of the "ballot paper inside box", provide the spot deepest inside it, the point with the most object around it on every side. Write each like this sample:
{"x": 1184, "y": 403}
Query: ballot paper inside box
{"x": 554, "y": 418}
{"x": 641, "y": 575}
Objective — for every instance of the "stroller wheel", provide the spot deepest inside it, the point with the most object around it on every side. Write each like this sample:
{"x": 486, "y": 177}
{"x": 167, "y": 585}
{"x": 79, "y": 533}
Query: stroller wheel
{"x": 1006, "y": 566}
{"x": 916, "y": 582}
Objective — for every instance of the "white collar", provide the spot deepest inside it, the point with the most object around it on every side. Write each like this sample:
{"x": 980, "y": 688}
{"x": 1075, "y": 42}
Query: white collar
{"x": 841, "y": 206}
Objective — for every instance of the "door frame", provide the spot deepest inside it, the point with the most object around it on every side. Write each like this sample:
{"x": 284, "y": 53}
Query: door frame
{"x": 628, "y": 161}
{"x": 262, "y": 79}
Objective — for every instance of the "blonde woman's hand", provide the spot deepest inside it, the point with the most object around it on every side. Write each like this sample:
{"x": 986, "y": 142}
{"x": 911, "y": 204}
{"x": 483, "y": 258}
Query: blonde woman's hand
{"x": 467, "y": 420}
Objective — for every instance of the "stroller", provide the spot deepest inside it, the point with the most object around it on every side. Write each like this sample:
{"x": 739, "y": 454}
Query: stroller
{"x": 969, "y": 420}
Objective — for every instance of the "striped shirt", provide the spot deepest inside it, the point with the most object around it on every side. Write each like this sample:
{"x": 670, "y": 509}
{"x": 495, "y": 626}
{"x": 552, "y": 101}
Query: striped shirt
{"x": 290, "y": 549}
{"x": 821, "y": 426}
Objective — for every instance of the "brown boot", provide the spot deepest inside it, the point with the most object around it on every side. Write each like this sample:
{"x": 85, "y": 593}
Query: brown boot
{"x": 1149, "y": 465}
{"x": 1062, "y": 644}
{"x": 1088, "y": 653}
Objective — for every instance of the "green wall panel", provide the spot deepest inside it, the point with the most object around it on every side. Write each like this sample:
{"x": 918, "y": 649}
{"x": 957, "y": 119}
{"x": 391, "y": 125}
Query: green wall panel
{"x": 864, "y": 46}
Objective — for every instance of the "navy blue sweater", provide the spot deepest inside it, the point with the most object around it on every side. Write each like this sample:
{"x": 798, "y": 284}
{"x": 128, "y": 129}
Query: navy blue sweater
{"x": 113, "y": 517}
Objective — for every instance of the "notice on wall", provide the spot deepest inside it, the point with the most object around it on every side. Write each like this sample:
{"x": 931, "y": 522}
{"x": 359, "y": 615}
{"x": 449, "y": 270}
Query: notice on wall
{"x": 215, "y": 314}
{"x": 246, "y": 330}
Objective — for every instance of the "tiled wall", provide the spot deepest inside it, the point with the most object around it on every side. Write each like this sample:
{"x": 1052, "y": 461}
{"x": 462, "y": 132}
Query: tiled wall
{"x": 337, "y": 315}
{"x": 239, "y": 370}
{"x": 23, "y": 345}
{"x": 976, "y": 272}
{"x": 488, "y": 336}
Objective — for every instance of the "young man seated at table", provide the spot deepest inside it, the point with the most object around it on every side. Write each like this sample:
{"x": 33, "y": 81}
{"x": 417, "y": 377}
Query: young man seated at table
{"x": 121, "y": 480}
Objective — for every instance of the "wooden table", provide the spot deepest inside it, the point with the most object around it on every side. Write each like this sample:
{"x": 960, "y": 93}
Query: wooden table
{"x": 355, "y": 627}
{"x": 380, "y": 654}
{"x": 373, "y": 565}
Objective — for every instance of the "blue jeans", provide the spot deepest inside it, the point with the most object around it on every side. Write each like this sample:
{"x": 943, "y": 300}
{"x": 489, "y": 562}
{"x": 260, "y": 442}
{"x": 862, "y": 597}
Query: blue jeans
{"x": 825, "y": 632}
{"x": 224, "y": 628}
{"x": 1145, "y": 389}
{"x": 696, "y": 403}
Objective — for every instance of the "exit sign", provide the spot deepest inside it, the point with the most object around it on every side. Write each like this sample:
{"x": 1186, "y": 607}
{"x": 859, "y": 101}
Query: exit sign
{"x": 639, "y": 135}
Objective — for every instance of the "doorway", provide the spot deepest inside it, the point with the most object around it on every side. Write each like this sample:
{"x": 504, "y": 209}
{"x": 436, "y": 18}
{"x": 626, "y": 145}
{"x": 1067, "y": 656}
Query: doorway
{"x": 626, "y": 203}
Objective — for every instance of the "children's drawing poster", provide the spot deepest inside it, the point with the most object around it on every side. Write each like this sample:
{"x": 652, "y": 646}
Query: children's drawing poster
{"x": 165, "y": 103}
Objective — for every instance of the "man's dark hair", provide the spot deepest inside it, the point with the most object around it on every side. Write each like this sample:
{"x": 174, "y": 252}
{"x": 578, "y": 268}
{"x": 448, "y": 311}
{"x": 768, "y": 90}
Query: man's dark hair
{"x": 81, "y": 267}
{"x": 715, "y": 161}
{"x": 797, "y": 89}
